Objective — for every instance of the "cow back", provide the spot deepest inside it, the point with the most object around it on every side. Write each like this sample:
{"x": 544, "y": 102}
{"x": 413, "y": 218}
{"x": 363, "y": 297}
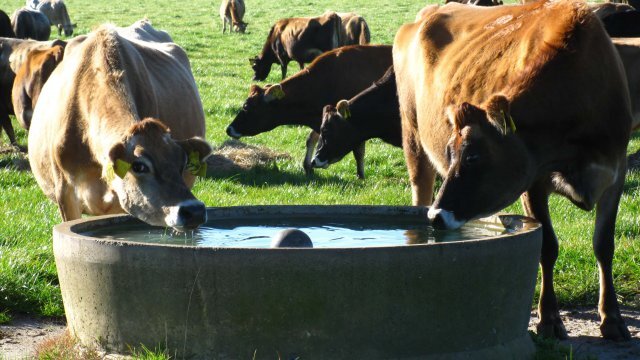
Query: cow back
{"x": 30, "y": 24}
{"x": 6, "y": 30}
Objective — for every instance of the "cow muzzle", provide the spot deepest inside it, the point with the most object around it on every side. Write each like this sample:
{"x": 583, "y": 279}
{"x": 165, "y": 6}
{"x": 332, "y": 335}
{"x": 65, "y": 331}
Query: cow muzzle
{"x": 317, "y": 163}
{"x": 187, "y": 215}
{"x": 233, "y": 133}
{"x": 443, "y": 219}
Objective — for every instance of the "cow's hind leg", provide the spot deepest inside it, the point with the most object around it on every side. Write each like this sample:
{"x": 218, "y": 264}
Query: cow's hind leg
{"x": 8, "y": 128}
{"x": 358, "y": 154}
{"x": 535, "y": 203}
{"x": 612, "y": 325}
{"x": 312, "y": 141}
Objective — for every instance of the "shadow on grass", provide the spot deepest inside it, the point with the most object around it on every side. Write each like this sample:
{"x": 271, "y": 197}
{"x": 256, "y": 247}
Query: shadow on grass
{"x": 14, "y": 158}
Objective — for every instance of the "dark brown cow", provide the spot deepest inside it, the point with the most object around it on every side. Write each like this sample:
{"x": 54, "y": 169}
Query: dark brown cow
{"x": 298, "y": 39}
{"x": 298, "y": 100}
{"x": 13, "y": 52}
{"x": 30, "y": 24}
{"x": 373, "y": 113}
{"x": 518, "y": 103}
{"x": 30, "y": 78}
{"x": 602, "y": 10}
{"x": 623, "y": 24}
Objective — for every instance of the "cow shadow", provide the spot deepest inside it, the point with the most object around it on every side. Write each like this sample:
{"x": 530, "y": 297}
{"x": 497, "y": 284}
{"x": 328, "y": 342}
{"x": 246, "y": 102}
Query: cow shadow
{"x": 14, "y": 157}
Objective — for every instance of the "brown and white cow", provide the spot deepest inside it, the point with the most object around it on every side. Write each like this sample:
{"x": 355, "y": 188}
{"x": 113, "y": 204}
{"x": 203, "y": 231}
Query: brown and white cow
{"x": 30, "y": 78}
{"x": 515, "y": 102}
{"x": 119, "y": 127}
{"x": 232, "y": 12}
{"x": 13, "y": 53}
{"x": 373, "y": 113}
{"x": 298, "y": 39}
{"x": 298, "y": 100}
{"x": 56, "y": 12}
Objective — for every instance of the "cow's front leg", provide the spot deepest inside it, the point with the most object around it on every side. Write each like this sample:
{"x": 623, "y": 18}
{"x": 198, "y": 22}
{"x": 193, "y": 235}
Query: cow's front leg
{"x": 283, "y": 68}
{"x": 535, "y": 203}
{"x": 66, "y": 199}
{"x": 612, "y": 325}
{"x": 8, "y": 128}
{"x": 312, "y": 141}
{"x": 358, "y": 154}
{"x": 422, "y": 175}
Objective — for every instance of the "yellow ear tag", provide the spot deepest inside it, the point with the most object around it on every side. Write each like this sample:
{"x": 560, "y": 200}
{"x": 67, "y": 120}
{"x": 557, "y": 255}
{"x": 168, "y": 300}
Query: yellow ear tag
{"x": 194, "y": 165}
{"x": 347, "y": 113}
{"x": 512, "y": 125}
{"x": 278, "y": 93}
{"x": 121, "y": 168}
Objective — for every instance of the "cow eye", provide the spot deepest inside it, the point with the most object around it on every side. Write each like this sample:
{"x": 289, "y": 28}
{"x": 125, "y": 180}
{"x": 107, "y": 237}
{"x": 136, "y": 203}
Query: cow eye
{"x": 470, "y": 159}
{"x": 245, "y": 107}
{"x": 139, "y": 167}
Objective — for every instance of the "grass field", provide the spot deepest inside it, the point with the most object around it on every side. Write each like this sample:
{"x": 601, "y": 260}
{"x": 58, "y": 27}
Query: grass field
{"x": 28, "y": 281}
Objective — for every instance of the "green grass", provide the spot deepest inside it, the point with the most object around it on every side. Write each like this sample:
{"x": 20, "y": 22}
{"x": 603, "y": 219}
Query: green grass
{"x": 28, "y": 281}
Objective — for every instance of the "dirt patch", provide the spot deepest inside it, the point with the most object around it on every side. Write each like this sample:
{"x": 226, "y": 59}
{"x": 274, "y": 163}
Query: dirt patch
{"x": 21, "y": 339}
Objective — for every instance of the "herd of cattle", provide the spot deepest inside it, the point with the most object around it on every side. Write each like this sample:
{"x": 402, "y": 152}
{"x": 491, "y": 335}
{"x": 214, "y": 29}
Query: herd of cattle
{"x": 503, "y": 101}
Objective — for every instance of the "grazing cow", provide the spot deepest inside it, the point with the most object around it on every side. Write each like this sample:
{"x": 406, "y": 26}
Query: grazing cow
{"x": 623, "y": 24}
{"x": 30, "y": 24}
{"x": 118, "y": 127}
{"x": 629, "y": 51}
{"x": 56, "y": 12}
{"x": 6, "y": 30}
{"x": 373, "y": 113}
{"x": 354, "y": 29}
{"x": 30, "y": 78}
{"x": 232, "y": 12}
{"x": 13, "y": 53}
{"x": 298, "y": 100}
{"x": 477, "y": 2}
{"x": 299, "y": 39}
{"x": 517, "y": 103}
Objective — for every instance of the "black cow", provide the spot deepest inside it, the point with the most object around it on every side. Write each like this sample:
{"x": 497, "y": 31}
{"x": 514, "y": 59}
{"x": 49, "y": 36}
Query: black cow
{"x": 30, "y": 24}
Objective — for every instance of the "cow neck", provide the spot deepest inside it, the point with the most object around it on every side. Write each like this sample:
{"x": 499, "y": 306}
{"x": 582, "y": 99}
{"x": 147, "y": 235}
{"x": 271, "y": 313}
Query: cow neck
{"x": 300, "y": 106}
{"x": 374, "y": 112}
{"x": 268, "y": 53}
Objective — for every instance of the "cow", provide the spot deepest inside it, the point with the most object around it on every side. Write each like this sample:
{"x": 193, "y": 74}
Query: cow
{"x": 232, "y": 12}
{"x": 354, "y": 29}
{"x": 30, "y": 24}
{"x": 298, "y": 100}
{"x": 299, "y": 39}
{"x": 119, "y": 126}
{"x": 13, "y": 53}
{"x": 6, "y": 30}
{"x": 629, "y": 51}
{"x": 373, "y": 113}
{"x": 56, "y": 12}
{"x": 623, "y": 24}
{"x": 30, "y": 78}
{"x": 602, "y": 10}
{"x": 516, "y": 103}
{"x": 477, "y": 2}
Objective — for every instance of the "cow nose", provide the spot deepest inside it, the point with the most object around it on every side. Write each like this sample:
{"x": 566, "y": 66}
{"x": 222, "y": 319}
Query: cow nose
{"x": 233, "y": 133}
{"x": 443, "y": 219}
{"x": 317, "y": 163}
{"x": 191, "y": 214}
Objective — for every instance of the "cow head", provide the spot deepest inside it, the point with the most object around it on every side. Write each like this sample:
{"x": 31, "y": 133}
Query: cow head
{"x": 31, "y": 77}
{"x": 489, "y": 165}
{"x": 261, "y": 68}
{"x": 151, "y": 173}
{"x": 66, "y": 28}
{"x": 257, "y": 112}
{"x": 240, "y": 26}
{"x": 337, "y": 135}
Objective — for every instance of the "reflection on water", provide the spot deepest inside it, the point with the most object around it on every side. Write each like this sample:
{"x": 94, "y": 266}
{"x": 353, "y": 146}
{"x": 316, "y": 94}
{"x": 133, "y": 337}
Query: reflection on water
{"x": 355, "y": 232}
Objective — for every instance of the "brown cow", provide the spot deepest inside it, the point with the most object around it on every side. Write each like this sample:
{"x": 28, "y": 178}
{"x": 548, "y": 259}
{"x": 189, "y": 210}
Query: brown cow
{"x": 232, "y": 12}
{"x": 30, "y": 78}
{"x": 93, "y": 146}
{"x": 602, "y": 10}
{"x": 517, "y": 103}
{"x": 298, "y": 100}
{"x": 477, "y": 2}
{"x": 299, "y": 39}
{"x": 13, "y": 53}
{"x": 354, "y": 29}
{"x": 30, "y": 24}
{"x": 629, "y": 51}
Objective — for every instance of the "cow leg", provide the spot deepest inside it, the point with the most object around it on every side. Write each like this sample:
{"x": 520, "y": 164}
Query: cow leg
{"x": 66, "y": 199}
{"x": 358, "y": 154}
{"x": 422, "y": 175}
{"x": 301, "y": 64}
{"x": 8, "y": 128}
{"x": 283, "y": 68}
{"x": 536, "y": 204}
{"x": 312, "y": 141}
{"x": 612, "y": 325}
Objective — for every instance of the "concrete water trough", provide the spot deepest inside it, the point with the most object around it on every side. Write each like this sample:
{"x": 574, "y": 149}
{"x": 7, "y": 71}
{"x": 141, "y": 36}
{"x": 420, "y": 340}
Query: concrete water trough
{"x": 436, "y": 300}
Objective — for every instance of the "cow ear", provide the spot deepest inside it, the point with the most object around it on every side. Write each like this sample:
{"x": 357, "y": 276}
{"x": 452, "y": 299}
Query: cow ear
{"x": 274, "y": 92}
{"x": 499, "y": 114}
{"x": 198, "y": 150}
{"x": 463, "y": 115}
{"x": 343, "y": 108}
{"x": 117, "y": 166}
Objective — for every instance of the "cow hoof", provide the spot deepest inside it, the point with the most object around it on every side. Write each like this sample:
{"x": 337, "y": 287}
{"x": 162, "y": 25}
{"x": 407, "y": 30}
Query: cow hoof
{"x": 552, "y": 329}
{"x": 613, "y": 328}
{"x": 308, "y": 169}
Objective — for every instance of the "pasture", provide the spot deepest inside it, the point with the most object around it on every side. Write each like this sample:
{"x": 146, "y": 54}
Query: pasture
{"x": 28, "y": 281}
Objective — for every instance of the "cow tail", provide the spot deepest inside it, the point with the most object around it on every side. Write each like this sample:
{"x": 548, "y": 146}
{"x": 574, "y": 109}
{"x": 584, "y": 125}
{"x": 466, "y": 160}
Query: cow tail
{"x": 365, "y": 35}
